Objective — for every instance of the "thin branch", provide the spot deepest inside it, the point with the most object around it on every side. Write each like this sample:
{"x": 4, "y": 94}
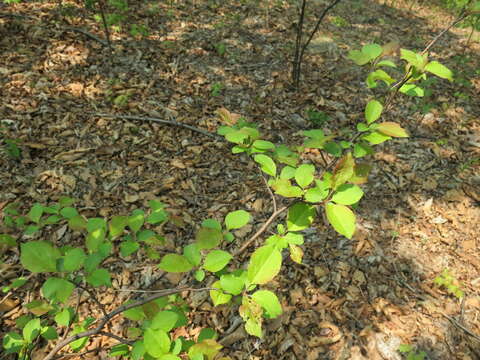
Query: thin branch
{"x": 94, "y": 298}
{"x": 460, "y": 326}
{"x": 272, "y": 195}
{"x": 101, "y": 6}
{"x": 463, "y": 14}
{"x": 111, "y": 315}
{"x": 317, "y": 25}
{"x": 262, "y": 229}
{"x": 161, "y": 121}
{"x": 299, "y": 48}
{"x": 116, "y": 337}
{"x": 86, "y": 33}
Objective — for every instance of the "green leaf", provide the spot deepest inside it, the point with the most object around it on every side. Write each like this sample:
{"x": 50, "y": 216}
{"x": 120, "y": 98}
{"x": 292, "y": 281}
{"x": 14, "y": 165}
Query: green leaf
{"x": 64, "y": 317}
{"x": 208, "y": 238}
{"x": 212, "y": 223}
{"x": 157, "y": 216}
{"x": 57, "y": 290}
{"x": 199, "y": 275}
{"x": 413, "y": 58}
{"x": 119, "y": 350}
{"x": 263, "y": 145}
{"x": 31, "y": 229}
{"x": 65, "y": 201}
{"x": 169, "y": 357}
{"x": 387, "y": 63}
{"x": 157, "y": 342}
{"x": 287, "y": 172}
{"x": 136, "y": 220}
{"x": 361, "y": 150}
{"x": 376, "y": 75}
{"x": 77, "y": 223}
{"x": 175, "y": 263}
{"x": 207, "y": 333}
{"x": 294, "y": 238}
{"x": 412, "y": 90}
{"x": 51, "y": 209}
{"x": 362, "y": 127}
{"x": 94, "y": 239}
{"x": 95, "y": 224}
{"x": 347, "y": 194}
{"x": 35, "y": 213}
{"x": 284, "y": 188}
{"x": 207, "y": 348}
{"x": 375, "y": 138}
{"x": 277, "y": 241}
{"x": 216, "y": 260}
{"x": 99, "y": 277}
{"x": 192, "y": 253}
{"x": 53, "y": 219}
{"x": 31, "y": 330}
{"x": 269, "y": 302}
{"x": 341, "y": 218}
{"x": 300, "y": 216}
{"x": 264, "y": 265}
{"x": 164, "y": 320}
{"x": 218, "y": 296}
{"x": 117, "y": 226}
{"x": 13, "y": 343}
{"x": 333, "y": 149}
{"x": 49, "y": 333}
{"x": 135, "y": 314}
{"x": 80, "y": 343}
{"x": 232, "y": 284}
{"x": 138, "y": 351}
{"x": 304, "y": 175}
{"x": 286, "y": 156}
{"x": 68, "y": 212}
{"x": 266, "y": 164}
{"x": 237, "y": 219}
{"x": 372, "y": 50}
{"x": 39, "y": 256}
{"x": 145, "y": 235}
{"x": 373, "y": 110}
{"x": 128, "y": 247}
{"x": 392, "y": 129}
{"x": 7, "y": 241}
{"x": 317, "y": 134}
{"x": 358, "y": 57}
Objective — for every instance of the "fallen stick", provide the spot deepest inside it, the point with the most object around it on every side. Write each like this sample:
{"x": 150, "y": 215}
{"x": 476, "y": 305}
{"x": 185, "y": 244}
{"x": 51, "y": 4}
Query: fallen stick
{"x": 161, "y": 121}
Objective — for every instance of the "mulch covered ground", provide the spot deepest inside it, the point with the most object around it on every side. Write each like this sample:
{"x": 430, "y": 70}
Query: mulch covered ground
{"x": 352, "y": 299}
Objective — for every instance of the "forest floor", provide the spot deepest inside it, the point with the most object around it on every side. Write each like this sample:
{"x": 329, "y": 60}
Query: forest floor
{"x": 352, "y": 299}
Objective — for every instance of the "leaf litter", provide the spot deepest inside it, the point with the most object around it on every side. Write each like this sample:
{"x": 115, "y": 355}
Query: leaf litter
{"x": 352, "y": 299}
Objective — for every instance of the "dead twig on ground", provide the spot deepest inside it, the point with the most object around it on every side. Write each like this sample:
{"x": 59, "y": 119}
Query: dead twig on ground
{"x": 461, "y": 327}
{"x": 161, "y": 121}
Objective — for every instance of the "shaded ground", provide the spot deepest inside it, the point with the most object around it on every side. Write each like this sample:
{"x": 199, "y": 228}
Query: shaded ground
{"x": 354, "y": 299}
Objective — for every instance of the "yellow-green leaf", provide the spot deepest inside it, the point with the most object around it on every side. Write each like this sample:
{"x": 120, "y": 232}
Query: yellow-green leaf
{"x": 392, "y": 129}
{"x": 341, "y": 218}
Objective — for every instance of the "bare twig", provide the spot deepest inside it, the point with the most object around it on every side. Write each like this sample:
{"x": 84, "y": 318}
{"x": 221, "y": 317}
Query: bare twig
{"x": 86, "y": 33}
{"x": 97, "y": 330}
{"x": 460, "y": 326}
{"x": 94, "y": 298}
{"x": 274, "y": 200}
{"x": 299, "y": 48}
{"x": 116, "y": 337}
{"x": 262, "y": 229}
{"x": 161, "y": 121}
{"x": 101, "y": 6}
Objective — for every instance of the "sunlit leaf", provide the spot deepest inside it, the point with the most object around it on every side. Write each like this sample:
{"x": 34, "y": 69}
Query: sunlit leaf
{"x": 341, "y": 218}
